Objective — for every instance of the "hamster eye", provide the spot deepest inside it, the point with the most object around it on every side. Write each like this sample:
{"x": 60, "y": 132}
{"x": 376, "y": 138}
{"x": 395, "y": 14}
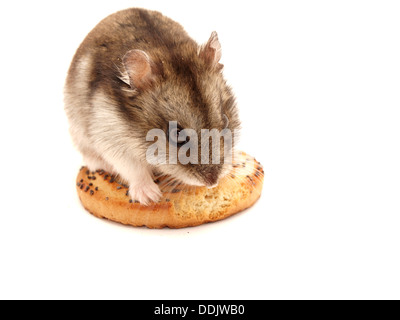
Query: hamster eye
{"x": 173, "y": 135}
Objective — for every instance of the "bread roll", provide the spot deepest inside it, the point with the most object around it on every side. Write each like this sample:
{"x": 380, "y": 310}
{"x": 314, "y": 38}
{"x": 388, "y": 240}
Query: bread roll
{"x": 181, "y": 206}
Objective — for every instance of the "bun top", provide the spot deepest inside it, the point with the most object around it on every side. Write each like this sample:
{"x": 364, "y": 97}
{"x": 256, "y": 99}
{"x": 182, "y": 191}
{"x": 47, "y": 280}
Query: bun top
{"x": 181, "y": 205}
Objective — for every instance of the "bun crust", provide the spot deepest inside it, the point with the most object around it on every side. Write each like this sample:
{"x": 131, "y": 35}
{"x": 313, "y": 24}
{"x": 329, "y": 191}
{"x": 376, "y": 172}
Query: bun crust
{"x": 181, "y": 206}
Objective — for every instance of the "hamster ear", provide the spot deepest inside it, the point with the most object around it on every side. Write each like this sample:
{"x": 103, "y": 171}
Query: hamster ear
{"x": 211, "y": 51}
{"x": 140, "y": 69}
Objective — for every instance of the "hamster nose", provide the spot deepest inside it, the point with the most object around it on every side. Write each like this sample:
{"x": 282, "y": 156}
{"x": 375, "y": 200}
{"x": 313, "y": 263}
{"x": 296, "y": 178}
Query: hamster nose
{"x": 211, "y": 178}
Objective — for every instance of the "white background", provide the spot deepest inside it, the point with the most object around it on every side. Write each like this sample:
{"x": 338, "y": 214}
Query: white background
{"x": 317, "y": 84}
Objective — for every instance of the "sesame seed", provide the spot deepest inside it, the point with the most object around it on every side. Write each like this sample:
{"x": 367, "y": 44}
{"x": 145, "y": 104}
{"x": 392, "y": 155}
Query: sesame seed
{"x": 175, "y": 190}
{"x": 87, "y": 172}
{"x": 167, "y": 200}
{"x": 112, "y": 180}
{"x": 136, "y": 201}
{"x": 91, "y": 192}
{"x": 81, "y": 181}
{"x": 107, "y": 198}
{"x": 105, "y": 177}
{"x": 89, "y": 177}
{"x": 259, "y": 168}
{"x": 97, "y": 188}
{"x": 87, "y": 188}
{"x": 90, "y": 184}
{"x": 119, "y": 187}
{"x": 78, "y": 184}
{"x": 93, "y": 178}
{"x": 82, "y": 185}
{"x": 157, "y": 181}
{"x": 257, "y": 173}
{"x": 127, "y": 193}
{"x": 130, "y": 201}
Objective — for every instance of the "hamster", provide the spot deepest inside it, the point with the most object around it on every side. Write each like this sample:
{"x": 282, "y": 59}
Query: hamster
{"x": 138, "y": 70}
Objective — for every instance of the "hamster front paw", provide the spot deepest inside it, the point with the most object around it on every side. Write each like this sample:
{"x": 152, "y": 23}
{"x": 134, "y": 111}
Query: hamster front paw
{"x": 145, "y": 193}
{"x": 94, "y": 163}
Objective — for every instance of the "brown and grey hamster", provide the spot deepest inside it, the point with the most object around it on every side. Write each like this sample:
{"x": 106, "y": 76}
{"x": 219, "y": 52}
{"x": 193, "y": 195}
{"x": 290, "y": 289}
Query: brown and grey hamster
{"x": 135, "y": 71}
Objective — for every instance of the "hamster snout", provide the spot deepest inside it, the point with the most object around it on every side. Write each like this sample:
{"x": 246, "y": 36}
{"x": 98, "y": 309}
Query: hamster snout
{"x": 137, "y": 71}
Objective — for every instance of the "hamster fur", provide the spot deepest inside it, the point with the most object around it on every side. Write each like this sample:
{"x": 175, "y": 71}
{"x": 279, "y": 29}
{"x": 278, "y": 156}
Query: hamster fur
{"x": 136, "y": 71}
